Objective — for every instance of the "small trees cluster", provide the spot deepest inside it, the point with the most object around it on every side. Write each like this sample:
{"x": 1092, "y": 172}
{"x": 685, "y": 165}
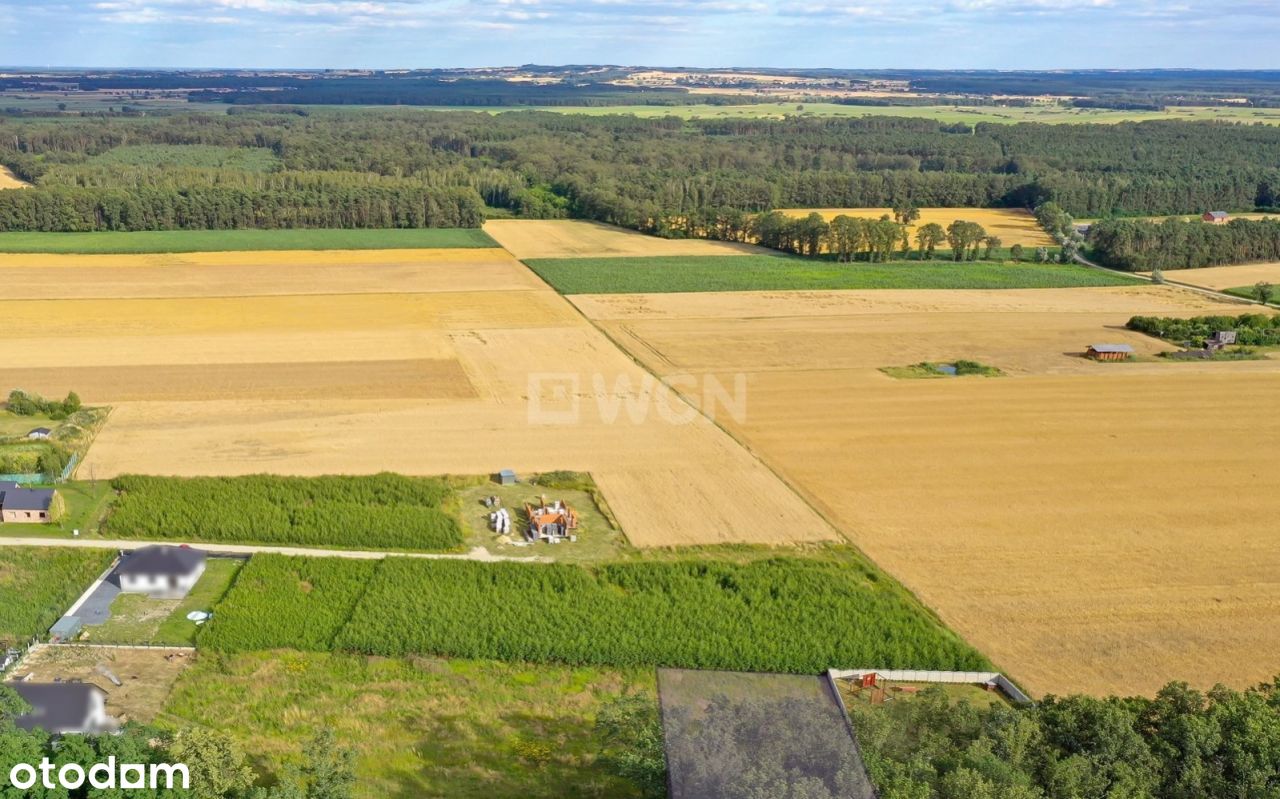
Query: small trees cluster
{"x": 23, "y": 403}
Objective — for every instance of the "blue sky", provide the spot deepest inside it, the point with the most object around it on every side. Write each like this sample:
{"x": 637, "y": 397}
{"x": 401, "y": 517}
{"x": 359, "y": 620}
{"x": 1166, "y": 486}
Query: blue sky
{"x": 1030, "y": 34}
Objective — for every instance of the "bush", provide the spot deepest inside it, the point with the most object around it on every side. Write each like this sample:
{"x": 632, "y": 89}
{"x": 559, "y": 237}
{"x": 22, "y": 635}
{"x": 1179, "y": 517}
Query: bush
{"x": 38, "y": 584}
{"x": 1252, "y": 330}
{"x": 383, "y": 511}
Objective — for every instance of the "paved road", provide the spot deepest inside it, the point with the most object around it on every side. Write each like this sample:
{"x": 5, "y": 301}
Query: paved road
{"x": 479, "y": 553}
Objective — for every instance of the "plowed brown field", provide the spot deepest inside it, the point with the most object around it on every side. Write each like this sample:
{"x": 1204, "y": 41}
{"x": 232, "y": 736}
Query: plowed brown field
{"x": 1090, "y": 527}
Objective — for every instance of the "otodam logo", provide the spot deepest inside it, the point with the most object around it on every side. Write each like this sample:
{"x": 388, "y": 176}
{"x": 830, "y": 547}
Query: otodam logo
{"x": 106, "y": 776}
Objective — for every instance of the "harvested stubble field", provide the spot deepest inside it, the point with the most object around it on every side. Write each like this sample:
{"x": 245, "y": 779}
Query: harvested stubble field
{"x": 1090, "y": 527}
{"x": 1227, "y": 277}
{"x": 8, "y": 180}
{"x": 424, "y": 375}
{"x": 253, "y": 274}
{"x": 1012, "y": 225}
{"x": 565, "y": 238}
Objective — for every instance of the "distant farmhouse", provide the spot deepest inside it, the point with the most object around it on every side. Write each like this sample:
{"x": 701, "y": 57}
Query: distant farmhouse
{"x": 20, "y": 505}
{"x": 161, "y": 572}
{"x": 40, "y": 433}
{"x": 1216, "y": 217}
{"x": 64, "y": 708}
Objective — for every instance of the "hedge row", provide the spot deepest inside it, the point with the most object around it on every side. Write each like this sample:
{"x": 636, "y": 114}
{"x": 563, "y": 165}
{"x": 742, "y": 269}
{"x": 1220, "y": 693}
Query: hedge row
{"x": 1252, "y": 330}
{"x": 379, "y": 511}
{"x": 784, "y": 615}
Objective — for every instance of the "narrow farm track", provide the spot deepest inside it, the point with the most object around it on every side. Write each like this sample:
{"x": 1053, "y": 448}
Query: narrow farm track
{"x": 477, "y": 554}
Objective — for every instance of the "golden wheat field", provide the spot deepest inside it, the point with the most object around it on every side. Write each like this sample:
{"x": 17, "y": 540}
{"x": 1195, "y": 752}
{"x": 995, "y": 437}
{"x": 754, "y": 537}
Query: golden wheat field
{"x": 1091, "y": 527}
{"x": 1012, "y": 225}
{"x": 435, "y": 362}
{"x": 571, "y": 238}
{"x": 8, "y": 180}
{"x": 1227, "y": 277}
{"x": 251, "y": 274}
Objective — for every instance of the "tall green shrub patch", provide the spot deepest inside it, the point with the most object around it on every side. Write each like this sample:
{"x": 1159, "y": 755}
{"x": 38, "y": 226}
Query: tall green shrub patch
{"x": 786, "y": 615}
{"x": 288, "y": 602}
{"x": 1252, "y": 330}
{"x": 37, "y": 585}
{"x": 379, "y": 511}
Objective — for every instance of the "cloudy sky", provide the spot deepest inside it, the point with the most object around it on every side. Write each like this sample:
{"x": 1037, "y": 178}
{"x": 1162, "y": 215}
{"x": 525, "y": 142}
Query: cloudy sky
{"x": 1037, "y": 34}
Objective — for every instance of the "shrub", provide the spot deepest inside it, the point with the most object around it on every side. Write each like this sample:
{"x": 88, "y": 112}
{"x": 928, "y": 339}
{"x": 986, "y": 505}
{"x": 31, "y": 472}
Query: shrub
{"x": 1256, "y": 330}
{"x": 38, "y": 584}
{"x": 385, "y": 511}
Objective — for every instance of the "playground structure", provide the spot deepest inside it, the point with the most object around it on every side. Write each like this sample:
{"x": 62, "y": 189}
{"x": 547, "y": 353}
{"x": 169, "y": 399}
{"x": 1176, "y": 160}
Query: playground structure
{"x": 551, "y": 521}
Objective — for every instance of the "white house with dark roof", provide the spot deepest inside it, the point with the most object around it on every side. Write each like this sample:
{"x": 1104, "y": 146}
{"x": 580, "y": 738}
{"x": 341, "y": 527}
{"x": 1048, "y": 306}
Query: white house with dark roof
{"x": 20, "y": 505}
{"x": 64, "y": 708}
{"x": 40, "y": 433}
{"x": 161, "y": 571}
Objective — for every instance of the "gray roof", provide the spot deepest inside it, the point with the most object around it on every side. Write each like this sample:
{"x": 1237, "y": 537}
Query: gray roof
{"x": 1219, "y": 214}
{"x": 55, "y": 706}
{"x": 16, "y": 497}
{"x": 161, "y": 559}
{"x": 1111, "y": 348}
{"x": 40, "y": 431}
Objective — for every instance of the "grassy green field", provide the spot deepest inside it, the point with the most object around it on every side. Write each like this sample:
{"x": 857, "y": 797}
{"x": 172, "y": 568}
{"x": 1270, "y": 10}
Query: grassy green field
{"x": 149, "y": 241}
{"x": 139, "y": 619}
{"x": 420, "y": 727}
{"x": 1250, "y": 293}
{"x": 770, "y": 273}
{"x": 37, "y": 585}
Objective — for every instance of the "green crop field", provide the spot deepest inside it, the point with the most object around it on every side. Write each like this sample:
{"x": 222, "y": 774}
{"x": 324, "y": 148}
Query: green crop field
{"x": 780, "y": 272}
{"x": 421, "y": 727}
{"x": 38, "y": 585}
{"x": 159, "y": 241}
{"x": 287, "y": 602}
{"x": 383, "y": 511}
{"x": 782, "y": 614}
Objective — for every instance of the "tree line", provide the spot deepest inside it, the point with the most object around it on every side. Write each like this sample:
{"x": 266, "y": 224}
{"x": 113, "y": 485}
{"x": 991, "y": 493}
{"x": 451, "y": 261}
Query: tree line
{"x": 673, "y": 177}
{"x": 1140, "y": 245}
{"x": 1183, "y": 744}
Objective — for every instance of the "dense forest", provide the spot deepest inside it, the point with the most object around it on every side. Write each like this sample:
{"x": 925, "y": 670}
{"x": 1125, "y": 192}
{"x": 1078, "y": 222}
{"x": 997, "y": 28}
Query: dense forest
{"x": 1141, "y": 245}
{"x": 402, "y": 168}
{"x": 1183, "y": 744}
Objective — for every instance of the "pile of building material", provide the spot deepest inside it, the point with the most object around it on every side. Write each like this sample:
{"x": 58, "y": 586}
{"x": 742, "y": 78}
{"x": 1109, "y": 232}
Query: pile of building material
{"x": 500, "y": 521}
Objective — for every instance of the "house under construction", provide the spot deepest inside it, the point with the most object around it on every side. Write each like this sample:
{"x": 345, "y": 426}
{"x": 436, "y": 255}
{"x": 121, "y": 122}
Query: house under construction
{"x": 551, "y": 521}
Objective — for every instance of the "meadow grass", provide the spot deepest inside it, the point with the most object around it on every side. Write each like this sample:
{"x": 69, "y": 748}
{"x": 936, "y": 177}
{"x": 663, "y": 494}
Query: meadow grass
{"x": 771, "y": 273}
{"x": 162, "y": 241}
{"x": 420, "y": 727}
